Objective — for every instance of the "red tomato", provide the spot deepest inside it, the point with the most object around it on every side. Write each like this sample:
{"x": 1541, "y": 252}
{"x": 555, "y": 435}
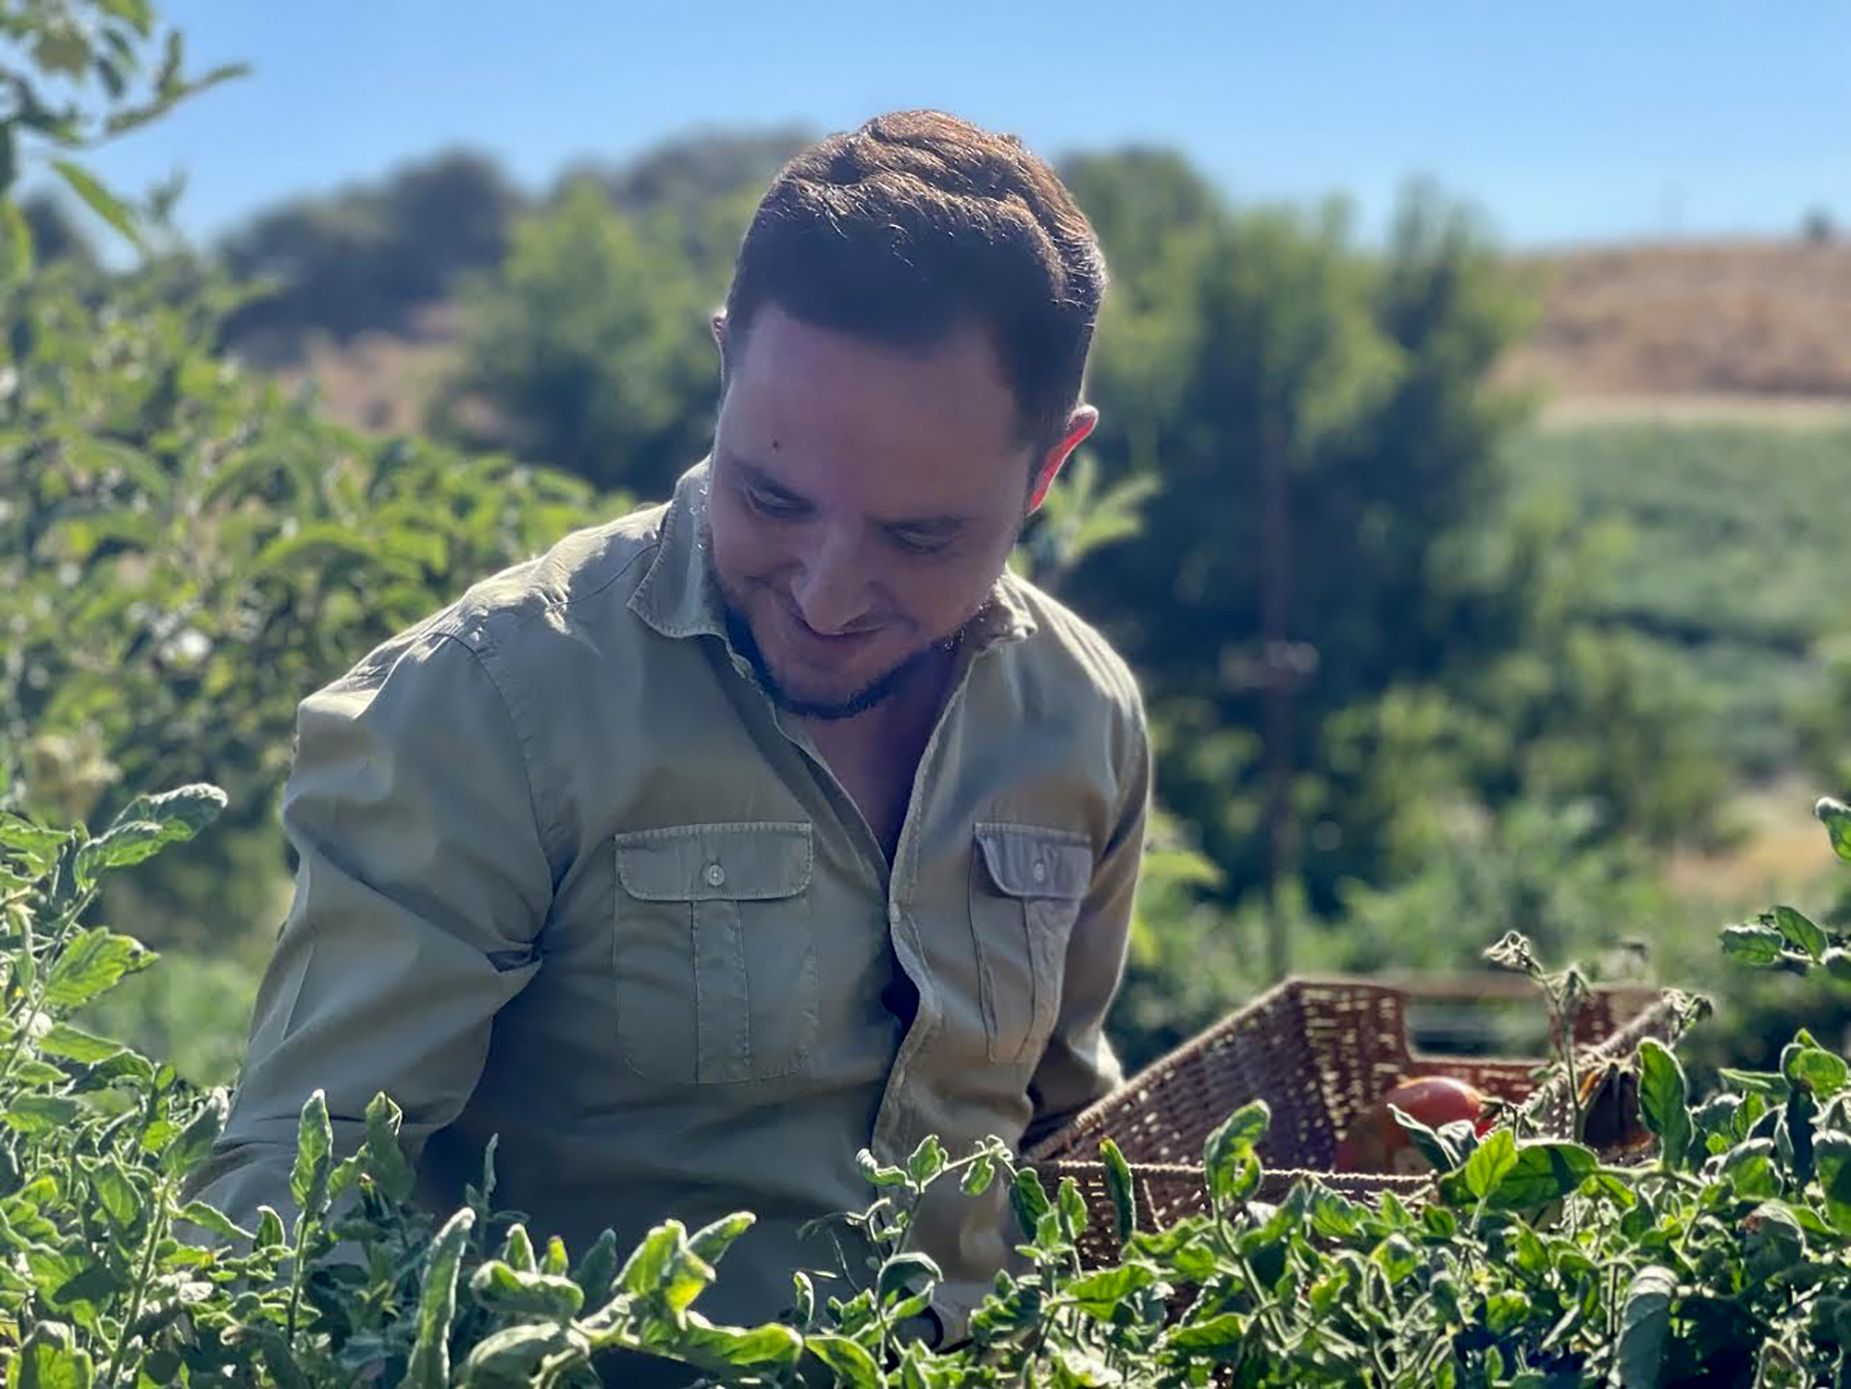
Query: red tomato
{"x": 1376, "y": 1143}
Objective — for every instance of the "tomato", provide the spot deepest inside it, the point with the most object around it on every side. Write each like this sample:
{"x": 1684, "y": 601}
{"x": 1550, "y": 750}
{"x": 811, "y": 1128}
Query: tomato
{"x": 1376, "y": 1143}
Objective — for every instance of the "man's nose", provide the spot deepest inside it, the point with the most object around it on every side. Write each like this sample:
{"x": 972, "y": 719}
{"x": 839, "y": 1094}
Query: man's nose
{"x": 832, "y": 590}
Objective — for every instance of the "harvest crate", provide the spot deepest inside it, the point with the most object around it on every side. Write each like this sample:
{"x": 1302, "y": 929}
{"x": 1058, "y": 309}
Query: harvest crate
{"x": 1319, "y": 1052}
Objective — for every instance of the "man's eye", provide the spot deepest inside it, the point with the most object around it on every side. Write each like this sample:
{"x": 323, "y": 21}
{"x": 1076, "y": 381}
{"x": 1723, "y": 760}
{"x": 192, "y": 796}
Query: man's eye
{"x": 772, "y": 506}
{"x": 919, "y": 544}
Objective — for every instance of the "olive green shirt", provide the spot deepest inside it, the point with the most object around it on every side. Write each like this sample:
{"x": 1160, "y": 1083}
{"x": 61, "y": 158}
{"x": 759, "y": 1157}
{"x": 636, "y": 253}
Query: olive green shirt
{"x": 567, "y": 877}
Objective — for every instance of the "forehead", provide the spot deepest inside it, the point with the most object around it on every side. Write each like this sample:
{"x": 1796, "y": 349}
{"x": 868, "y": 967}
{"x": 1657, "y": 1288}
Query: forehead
{"x": 830, "y": 414}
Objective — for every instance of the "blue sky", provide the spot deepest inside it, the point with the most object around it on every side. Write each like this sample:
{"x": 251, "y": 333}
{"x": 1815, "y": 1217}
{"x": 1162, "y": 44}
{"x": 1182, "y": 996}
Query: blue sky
{"x": 1564, "y": 121}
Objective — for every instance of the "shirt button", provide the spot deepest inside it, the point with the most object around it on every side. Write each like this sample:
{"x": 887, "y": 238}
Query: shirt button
{"x": 715, "y": 875}
{"x": 1040, "y": 871}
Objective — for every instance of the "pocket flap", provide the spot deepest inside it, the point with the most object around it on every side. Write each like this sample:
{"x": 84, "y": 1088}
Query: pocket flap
{"x": 735, "y": 863}
{"x": 1027, "y": 861}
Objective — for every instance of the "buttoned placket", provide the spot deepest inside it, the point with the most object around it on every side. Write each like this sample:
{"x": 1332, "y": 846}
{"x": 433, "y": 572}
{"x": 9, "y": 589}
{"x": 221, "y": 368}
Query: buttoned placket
{"x": 892, "y": 1138}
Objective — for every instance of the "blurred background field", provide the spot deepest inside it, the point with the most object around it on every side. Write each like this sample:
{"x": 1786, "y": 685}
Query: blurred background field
{"x": 1475, "y": 583}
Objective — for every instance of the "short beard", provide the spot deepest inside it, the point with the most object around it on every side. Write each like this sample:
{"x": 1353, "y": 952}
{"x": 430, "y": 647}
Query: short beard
{"x": 739, "y": 633}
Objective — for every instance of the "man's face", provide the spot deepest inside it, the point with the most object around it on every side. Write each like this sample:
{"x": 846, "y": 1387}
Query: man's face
{"x": 863, "y": 502}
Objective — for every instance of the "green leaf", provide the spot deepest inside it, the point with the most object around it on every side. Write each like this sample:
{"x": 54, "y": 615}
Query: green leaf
{"x": 41, "y": 1114}
{"x": 1124, "y": 1196}
{"x": 1768, "y": 1083}
{"x": 1836, "y": 816}
{"x": 648, "y": 1265}
{"x": 1831, "y": 1154}
{"x": 1749, "y": 1168}
{"x": 1758, "y": 946}
{"x": 94, "y": 961}
{"x": 510, "y": 1358}
{"x": 74, "y": 1044}
{"x": 213, "y": 1219}
{"x": 1396, "y": 1257}
{"x": 927, "y": 1161}
{"x": 711, "y": 1241}
{"x": 116, "y": 1194}
{"x": 180, "y": 813}
{"x": 1071, "y": 1207}
{"x": 43, "y": 1366}
{"x": 1099, "y": 1294}
{"x": 429, "y": 1367}
{"x": 308, "y": 1179}
{"x": 1800, "y": 932}
{"x": 906, "y": 1274}
{"x": 1490, "y": 1163}
{"x": 500, "y": 1287}
{"x": 1029, "y": 1200}
{"x": 724, "y": 1347}
{"x": 1228, "y": 1159}
{"x": 1506, "y": 1310}
{"x": 875, "y": 1174}
{"x": 597, "y": 1270}
{"x": 1813, "y": 1069}
{"x": 1440, "y": 1151}
{"x": 1645, "y": 1327}
{"x": 853, "y": 1366}
{"x": 979, "y": 1175}
{"x": 195, "y": 1141}
{"x": 1222, "y": 1338}
{"x": 100, "y": 200}
{"x": 385, "y": 1160}
{"x": 1664, "y": 1101}
{"x": 1544, "y": 1172}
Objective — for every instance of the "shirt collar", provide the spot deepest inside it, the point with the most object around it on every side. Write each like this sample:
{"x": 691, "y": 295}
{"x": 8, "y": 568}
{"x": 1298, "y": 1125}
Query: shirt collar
{"x": 678, "y": 596}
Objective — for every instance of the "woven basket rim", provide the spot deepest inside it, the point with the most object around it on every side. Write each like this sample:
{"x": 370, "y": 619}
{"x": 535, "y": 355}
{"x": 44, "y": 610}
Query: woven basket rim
{"x": 1655, "y": 1000}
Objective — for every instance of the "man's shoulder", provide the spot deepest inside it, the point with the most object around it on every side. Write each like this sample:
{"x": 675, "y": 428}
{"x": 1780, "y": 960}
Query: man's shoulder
{"x": 1068, "y": 655}
{"x": 586, "y": 576}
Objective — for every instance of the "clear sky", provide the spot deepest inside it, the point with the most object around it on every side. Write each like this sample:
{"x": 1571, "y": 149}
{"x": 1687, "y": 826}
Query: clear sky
{"x": 1563, "y": 120}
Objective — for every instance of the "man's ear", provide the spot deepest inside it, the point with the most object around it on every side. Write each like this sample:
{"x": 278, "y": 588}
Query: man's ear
{"x": 1079, "y": 424}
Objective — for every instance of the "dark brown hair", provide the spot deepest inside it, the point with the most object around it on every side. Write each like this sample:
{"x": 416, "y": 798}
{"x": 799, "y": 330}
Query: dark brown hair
{"x": 917, "y": 224}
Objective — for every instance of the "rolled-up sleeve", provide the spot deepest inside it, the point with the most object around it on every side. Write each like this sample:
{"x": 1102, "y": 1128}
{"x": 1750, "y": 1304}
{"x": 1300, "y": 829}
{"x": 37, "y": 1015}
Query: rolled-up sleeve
{"x": 1079, "y": 1065}
{"x": 422, "y": 884}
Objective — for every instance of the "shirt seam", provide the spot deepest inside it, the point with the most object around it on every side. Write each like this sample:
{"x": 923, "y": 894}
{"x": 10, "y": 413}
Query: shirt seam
{"x": 522, "y": 740}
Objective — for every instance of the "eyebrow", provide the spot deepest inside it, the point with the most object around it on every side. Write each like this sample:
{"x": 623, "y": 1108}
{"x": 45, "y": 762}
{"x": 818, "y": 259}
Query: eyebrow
{"x": 758, "y": 477}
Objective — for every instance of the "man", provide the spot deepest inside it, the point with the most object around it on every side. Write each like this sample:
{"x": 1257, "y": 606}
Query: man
{"x": 744, "y": 832}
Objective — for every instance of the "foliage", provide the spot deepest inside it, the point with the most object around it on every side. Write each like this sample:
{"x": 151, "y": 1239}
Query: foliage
{"x": 1721, "y": 549}
{"x": 74, "y": 74}
{"x": 184, "y": 550}
{"x": 589, "y": 350}
{"x": 1724, "y": 1260}
{"x": 369, "y": 256}
{"x": 1426, "y": 652}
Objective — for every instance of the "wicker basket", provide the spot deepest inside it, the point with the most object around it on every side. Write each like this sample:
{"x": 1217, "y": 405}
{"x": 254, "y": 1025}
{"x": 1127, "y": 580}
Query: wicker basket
{"x": 1318, "y": 1051}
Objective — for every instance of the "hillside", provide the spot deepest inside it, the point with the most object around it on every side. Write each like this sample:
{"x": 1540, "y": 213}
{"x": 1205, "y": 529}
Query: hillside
{"x": 1687, "y": 332}
{"x": 1692, "y": 331}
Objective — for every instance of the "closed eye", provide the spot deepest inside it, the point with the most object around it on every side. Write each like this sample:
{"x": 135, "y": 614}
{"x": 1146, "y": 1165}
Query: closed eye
{"x": 776, "y": 506}
{"x": 921, "y": 541}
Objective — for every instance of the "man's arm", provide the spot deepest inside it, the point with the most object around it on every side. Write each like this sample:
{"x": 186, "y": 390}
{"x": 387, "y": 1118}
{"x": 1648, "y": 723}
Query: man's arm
{"x": 1079, "y": 1065}
{"x": 422, "y": 885}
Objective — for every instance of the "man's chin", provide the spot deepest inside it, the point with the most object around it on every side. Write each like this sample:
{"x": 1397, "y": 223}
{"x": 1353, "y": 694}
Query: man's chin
{"x": 810, "y": 700}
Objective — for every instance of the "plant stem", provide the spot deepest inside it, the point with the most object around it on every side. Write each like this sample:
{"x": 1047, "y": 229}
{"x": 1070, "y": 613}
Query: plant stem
{"x": 40, "y": 978}
{"x": 157, "y": 1226}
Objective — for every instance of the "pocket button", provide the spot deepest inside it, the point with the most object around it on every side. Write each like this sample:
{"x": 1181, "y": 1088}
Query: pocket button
{"x": 715, "y": 875}
{"x": 1040, "y": 871}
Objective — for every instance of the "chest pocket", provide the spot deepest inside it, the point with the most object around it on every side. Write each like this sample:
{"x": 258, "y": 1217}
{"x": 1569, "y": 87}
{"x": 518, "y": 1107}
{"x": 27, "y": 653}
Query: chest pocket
{"x": 1026, "y": 887}
{"x": 715, "y": 958}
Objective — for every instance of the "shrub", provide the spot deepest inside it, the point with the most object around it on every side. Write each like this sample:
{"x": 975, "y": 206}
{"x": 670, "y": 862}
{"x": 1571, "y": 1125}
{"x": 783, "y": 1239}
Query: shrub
{"x": 1724, "y": 1260}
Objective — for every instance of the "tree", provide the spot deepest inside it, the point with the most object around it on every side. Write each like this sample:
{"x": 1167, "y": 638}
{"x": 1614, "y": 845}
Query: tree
{"x": 589, "y": 350}
{"x": 1334, "y": 544}
{"x": 370, "y": 256}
